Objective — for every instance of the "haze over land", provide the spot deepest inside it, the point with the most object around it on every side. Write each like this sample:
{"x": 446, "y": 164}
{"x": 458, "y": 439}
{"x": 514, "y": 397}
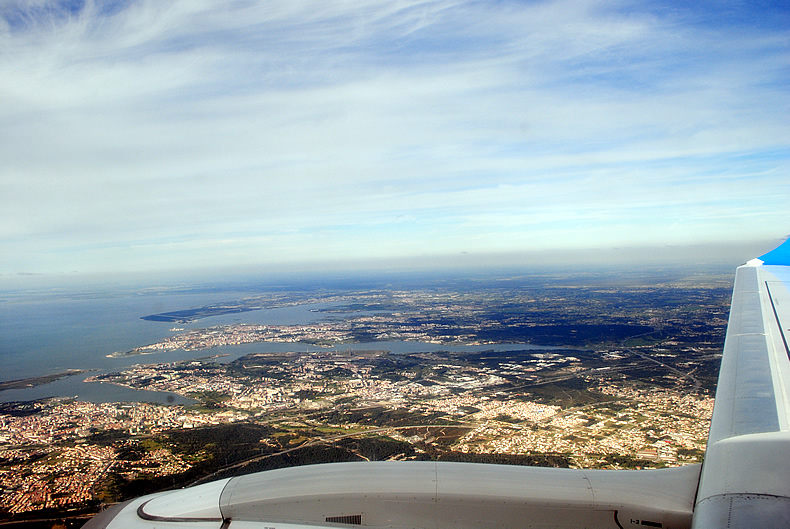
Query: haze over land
{"x": 146, "y": 135}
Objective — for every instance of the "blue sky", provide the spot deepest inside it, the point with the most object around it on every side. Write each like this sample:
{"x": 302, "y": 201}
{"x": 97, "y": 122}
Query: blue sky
{"x": 145, "y": 135}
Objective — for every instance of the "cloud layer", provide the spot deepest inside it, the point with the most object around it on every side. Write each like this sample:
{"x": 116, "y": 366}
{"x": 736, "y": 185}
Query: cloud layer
{"x": 146, "y": 134}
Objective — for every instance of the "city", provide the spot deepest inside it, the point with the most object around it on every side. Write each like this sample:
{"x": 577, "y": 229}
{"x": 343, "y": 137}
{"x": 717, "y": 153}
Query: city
{"x": 630, "y": 386}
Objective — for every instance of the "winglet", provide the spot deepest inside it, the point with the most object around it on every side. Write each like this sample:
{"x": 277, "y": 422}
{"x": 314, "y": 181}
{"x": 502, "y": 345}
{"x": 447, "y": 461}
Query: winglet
{"x": 778, "y": 256}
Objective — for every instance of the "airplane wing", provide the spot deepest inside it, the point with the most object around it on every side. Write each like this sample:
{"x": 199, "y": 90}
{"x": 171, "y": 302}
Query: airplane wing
{"x": 744, "y": 482}
{"x": 421, "y": 494}
{"x": 746, "y": 476}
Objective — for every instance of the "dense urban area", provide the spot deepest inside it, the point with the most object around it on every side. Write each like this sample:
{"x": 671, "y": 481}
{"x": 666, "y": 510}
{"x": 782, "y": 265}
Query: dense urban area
{"x": 600, "y": 373}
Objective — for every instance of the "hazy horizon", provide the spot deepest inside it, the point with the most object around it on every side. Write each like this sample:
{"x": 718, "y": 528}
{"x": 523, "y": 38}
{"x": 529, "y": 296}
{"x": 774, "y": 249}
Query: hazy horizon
{"x": 693, "y": 259}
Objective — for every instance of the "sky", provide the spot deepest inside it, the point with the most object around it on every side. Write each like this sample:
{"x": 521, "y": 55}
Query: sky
{"x": 148, "y": 135}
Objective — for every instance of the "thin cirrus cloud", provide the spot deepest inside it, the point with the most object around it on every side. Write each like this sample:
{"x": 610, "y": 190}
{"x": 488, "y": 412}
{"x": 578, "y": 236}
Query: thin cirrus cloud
{"x": 143, "y": 135}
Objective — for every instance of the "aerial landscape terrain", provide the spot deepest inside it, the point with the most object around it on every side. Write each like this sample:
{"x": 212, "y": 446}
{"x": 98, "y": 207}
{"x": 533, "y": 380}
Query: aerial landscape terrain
{"x": 251, "y": 235}
{"x": 581, "y": 370}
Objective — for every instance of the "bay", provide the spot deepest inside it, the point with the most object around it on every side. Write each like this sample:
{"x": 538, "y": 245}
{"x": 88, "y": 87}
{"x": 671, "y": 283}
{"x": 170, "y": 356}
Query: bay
{"x": 52, "y": 334}
{"x": 47, "y": 334}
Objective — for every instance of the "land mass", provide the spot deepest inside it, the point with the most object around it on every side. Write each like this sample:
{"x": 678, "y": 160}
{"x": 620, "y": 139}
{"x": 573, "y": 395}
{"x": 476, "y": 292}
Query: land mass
{"x": 38, "y": 381}
{"x": 265, "y": 301}
{"x": 595, "y": 374}
{"x": 191, "y": 315}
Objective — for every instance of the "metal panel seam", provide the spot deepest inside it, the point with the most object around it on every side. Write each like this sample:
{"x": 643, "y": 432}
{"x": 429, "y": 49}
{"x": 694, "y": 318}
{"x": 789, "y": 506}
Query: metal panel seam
{"x": 776, "y": 316}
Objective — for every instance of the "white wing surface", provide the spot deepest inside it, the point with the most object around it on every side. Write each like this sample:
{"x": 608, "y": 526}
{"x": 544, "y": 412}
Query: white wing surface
{"x": 746, "y": 476}
{"x": 421, "y": 495}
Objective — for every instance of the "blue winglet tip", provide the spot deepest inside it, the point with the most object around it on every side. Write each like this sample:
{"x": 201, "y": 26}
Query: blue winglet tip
{"x": 778, "y": 256}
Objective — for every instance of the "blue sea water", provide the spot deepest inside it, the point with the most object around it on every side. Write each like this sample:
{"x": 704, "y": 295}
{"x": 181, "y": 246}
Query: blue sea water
{"x": 47, "y": 334}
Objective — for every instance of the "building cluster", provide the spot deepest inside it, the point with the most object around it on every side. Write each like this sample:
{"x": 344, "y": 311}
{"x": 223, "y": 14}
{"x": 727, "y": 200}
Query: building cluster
{"x": 50, "y": 461}
{"x": 54, "y": 479}
{"x": 225, "y": 335}
{"x": 157, "y": 462}
{"x": 651, "y": 425}
{"x": 64, "y": 420}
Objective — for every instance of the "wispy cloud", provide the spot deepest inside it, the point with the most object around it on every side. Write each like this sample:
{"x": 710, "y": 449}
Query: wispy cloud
{"x": 154, "y": 134}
